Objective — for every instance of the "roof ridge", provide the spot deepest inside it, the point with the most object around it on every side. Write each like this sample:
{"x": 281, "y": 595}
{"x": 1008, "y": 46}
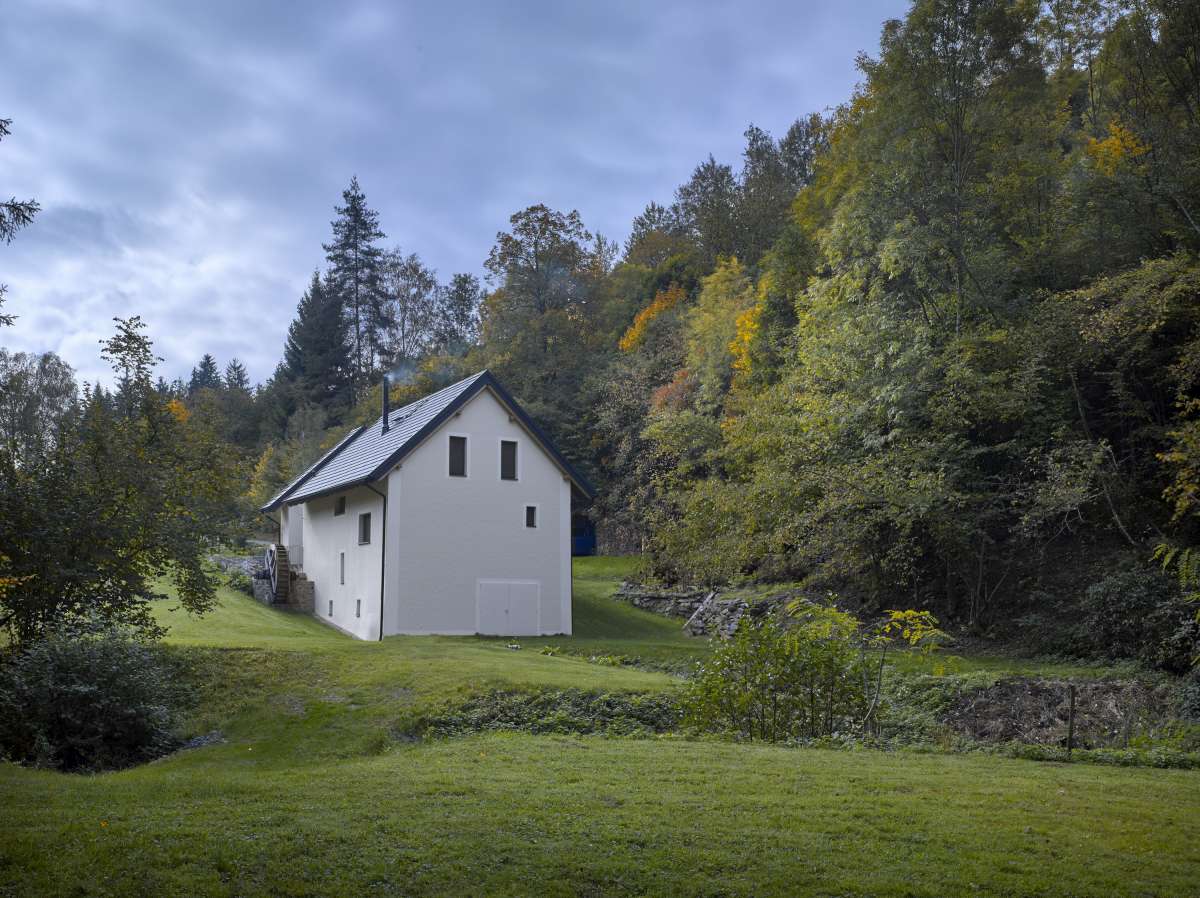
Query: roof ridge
{"x": 394, "y": 413}
{"x": 368, "y": 453}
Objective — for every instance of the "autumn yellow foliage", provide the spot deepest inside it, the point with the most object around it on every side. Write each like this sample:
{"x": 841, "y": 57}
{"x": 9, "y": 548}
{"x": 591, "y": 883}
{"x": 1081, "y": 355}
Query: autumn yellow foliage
{"x": 663, "y": 301}
{"x": 178, "y": 410}
{"x": 1120, "y": 145}
{"x": 748, "y": 324}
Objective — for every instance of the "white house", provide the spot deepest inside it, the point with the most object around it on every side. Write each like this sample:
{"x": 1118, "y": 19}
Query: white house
{"x": 450, "y": 515}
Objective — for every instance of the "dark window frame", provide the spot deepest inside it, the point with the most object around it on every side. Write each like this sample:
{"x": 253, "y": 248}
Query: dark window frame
{"x": 515, "y": 469}
{"x": 457, "y": 440}
{"x": 364, "y": 528}
{"x": 341, "y": 568}
{"x": 339, "y": 506}
{"x": 531, "y": 520}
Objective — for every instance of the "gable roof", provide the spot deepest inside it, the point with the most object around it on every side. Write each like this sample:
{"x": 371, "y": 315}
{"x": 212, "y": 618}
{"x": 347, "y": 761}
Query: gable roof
{"x": 367, "y": 453}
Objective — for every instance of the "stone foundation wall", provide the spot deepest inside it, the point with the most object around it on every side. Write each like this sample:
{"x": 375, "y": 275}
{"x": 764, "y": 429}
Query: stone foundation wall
{"x": 301, "y": 596}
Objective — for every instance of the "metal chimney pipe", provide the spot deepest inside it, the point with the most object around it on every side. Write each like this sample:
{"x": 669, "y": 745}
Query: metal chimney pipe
{"x": 387, "y": 403}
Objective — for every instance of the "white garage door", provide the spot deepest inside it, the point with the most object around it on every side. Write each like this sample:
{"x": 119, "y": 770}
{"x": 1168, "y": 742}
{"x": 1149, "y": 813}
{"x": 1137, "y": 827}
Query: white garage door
{"x": 508, "y": 607}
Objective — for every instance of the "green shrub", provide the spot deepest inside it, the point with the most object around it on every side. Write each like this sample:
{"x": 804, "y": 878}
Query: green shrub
{"x": 240, "y": 581}
{"x": 575, "y": 711}
{"x": 89, "y": 701}
{"x": 1139, "y": 614}
{"x": 1188, "y": 696}
{"x": 775, "y": 683}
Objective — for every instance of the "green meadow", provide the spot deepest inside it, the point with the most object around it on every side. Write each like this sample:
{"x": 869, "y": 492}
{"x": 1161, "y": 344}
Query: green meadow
{"x": 315, "y": 791}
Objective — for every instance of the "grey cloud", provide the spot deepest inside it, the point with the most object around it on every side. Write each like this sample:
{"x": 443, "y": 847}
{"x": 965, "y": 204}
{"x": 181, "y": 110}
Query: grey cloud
{"x": 188, "y": 156}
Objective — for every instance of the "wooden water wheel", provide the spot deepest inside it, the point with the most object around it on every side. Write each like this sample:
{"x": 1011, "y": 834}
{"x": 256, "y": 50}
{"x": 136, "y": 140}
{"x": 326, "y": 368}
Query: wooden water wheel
{"x": 279, "y": 571}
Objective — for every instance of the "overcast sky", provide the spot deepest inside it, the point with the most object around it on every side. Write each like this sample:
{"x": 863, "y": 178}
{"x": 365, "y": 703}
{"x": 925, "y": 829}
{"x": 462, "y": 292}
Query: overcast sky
{"x": 188, "y": 155}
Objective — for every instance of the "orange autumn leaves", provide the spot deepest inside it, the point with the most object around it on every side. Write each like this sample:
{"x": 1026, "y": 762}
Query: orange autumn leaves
{"x": 663, "y": 301}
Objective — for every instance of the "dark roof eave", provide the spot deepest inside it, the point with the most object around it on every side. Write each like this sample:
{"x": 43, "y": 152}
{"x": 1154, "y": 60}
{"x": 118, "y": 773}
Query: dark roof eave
{"x": 281, "y": 497}
{"x": 486, "y": 380}
{"x": 571, "y": 471}
{"x": 331, "y": 490}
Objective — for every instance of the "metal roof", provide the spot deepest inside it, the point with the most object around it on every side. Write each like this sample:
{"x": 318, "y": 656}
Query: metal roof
{"x": 367, "y": 453}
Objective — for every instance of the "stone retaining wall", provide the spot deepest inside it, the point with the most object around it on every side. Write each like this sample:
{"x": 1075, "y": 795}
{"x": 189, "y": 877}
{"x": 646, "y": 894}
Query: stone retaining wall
{"x": 705, "y": 612}
{"x": 301, "y": 596}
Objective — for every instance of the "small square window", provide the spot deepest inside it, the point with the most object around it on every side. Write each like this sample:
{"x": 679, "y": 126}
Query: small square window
{"x": 358, "y": 608}
{"x": 508, "y": 459}
{"x": 458, "y": 456}
{"x": 530, "y": 515}
{"x": 339, "y": 506}
{"x": 331, "y": 607}
{"x": 364, "y": 529}
{"x": 342, "y": 568}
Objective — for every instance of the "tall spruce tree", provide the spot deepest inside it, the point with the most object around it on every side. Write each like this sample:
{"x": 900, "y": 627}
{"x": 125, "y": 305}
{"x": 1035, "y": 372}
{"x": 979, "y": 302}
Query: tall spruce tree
{"x": 205, "y": 376}
{"x": 236, "y": 377}
{"x": 355, "y": 269}
{"x": 316, "y": 356}
{"x": 240, "y": 419}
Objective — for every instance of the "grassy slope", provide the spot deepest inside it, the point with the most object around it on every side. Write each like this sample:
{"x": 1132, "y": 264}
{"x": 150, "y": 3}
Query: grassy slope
{"x": 309, "y": 796}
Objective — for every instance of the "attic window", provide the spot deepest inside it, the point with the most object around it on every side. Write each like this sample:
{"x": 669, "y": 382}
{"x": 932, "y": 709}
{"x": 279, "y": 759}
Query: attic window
{"x": 339, "y": 505}
{"x": 364, "y": 529}
{"x": 458, "y": 456}
{"x": 531, "y": 516}
{"x": 508, "y": 459}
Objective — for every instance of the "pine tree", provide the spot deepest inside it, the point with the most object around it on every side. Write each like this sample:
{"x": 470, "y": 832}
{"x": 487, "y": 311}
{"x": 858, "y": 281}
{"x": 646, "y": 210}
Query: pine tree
{"x": 205, "y": 376}
{"x": 316, "y": 360}
{"x": 236, "y": 377}
{"x": 239, "y": 411}
{"x": 354, "y": 274}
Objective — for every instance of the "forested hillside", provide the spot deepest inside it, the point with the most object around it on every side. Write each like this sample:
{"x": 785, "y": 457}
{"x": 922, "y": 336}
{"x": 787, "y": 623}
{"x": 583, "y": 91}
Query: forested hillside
{"x": 938, "y": 346}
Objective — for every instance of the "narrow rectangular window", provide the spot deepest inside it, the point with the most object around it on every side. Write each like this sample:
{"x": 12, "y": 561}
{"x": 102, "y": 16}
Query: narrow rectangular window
{"x": 331, "y": 607}
{"x": 358, "y": 608}
{"x": 339, "y": 506}
{"x": 364, "y": 529}
{"x": 530, "y": 515}
{"x": 458, "y": 456}
{"x": 342, "y": 568}
{"x": 508, "y": 459}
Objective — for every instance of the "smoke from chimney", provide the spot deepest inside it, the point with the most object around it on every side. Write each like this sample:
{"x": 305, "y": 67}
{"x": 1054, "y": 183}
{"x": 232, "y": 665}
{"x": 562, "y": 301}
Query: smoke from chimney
{"x": 402, "y": 373}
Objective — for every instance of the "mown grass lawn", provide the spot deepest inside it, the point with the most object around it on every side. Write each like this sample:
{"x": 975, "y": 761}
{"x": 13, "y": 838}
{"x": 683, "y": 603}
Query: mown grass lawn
{"x": 310, "y": 794}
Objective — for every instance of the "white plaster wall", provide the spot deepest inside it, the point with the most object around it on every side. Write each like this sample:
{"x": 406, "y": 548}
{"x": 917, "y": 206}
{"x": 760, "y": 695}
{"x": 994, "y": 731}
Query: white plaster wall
{"x": 291, "y": 533}
{"x": 325, "y": 536}
{"x": 447, "y": 533}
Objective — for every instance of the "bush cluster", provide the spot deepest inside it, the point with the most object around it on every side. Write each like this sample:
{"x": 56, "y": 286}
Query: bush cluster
{"x": 240, "y": 581}
{"x": 88, "y": 701}
{"x": 570, "y": 711}
{"x": 779, "y": 683}
{"x": 1139, "y": 614}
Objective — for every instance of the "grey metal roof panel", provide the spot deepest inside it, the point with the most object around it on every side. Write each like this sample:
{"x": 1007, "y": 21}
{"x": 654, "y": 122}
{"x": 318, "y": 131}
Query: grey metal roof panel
{"x": 372, "y": 447}
{"x": 366, "y": 454}
{"x": 278, "y": 498}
